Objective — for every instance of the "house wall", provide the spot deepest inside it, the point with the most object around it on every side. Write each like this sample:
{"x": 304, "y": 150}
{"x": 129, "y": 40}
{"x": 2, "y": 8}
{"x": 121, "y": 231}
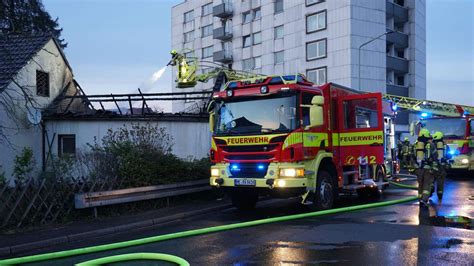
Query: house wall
{"x": 19, "y": 131}
{"x": 191, "y": 139}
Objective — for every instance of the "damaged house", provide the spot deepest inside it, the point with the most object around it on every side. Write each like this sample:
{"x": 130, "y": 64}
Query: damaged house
{"x": 43, "y": 108}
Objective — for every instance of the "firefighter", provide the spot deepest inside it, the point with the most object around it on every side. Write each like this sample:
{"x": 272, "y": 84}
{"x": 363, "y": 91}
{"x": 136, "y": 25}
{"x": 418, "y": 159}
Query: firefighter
{"x": 425, "y": 156}
{"x": 438, "y": 141}
{"x": 405, "y": 153}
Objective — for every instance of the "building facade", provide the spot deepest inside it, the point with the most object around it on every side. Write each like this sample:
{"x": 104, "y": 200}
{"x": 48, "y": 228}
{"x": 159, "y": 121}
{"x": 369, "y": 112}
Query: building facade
{"x": 322, "y": 39}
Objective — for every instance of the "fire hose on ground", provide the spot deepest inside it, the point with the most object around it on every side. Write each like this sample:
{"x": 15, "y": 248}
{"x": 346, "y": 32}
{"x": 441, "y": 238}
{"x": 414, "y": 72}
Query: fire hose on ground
{"x": 189, "y": 233}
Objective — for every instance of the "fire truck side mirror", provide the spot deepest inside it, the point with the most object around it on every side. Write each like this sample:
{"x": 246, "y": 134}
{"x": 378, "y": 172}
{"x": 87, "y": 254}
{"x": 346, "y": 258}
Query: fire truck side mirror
{"x": 316, "y": 111}
{"x": 212, "y": 119}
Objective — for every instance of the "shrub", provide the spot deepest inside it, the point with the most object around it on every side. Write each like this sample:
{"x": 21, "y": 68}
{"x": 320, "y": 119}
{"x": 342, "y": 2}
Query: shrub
{"x": 24, "y": 165}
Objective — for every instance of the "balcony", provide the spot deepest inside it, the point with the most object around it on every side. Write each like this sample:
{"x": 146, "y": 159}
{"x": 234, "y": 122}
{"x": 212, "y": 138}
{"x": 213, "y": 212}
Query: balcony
{"x": 397, "y": 64}
{"x": 222, "y": 33}
{"x": 397, "y": 90}
{"x": 223, "y": 10}
{"x": 399, "y": 39}
{"x": 399, "y": 13}
{"x": 223, "y": 56}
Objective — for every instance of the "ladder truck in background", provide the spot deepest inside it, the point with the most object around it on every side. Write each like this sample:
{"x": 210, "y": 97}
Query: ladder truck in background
{"x": 454, "y": 120}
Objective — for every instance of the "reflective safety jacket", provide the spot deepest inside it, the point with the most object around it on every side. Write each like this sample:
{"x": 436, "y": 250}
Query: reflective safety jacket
{"x": 440, "y": 150}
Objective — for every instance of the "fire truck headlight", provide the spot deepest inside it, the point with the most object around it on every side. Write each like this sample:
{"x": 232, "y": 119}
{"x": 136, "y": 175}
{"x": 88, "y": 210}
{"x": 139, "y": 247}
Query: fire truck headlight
{"x": 465, "y": 161}
{"x": 291, "y": 172}
{"x": 214, "y": 172}
{"x": 281, "y": 183}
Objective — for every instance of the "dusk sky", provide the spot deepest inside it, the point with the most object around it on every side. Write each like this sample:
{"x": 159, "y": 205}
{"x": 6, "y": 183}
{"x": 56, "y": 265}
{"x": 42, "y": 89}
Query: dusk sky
{"x": 116, "y": 45}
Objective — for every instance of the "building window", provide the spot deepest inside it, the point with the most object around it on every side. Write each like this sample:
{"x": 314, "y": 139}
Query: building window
{"x": 206, "y": 9}
{"x": 316, "y": 22}
{"x": 312, "y": 2}
{"x": 278, "y": 6}
{"x": 207, "y": 51}
{"x": 247, "y": 41}
{"x": 279, "y": 57}
{"x": 189, "y": 36}
{"x": 257, "y": 62}
{"x": 316, "y": 49}
{"x": 279, "y": 32}
{"x": 189, "y": 55}
{"x": 317, "y": 75}
{"x": 188, "y": 16}
{"x": 66, "y": 145}
{"x": 206, "y": 30}
{"x": 247, "y": 17}
{"x": 257, "y": 14}
{"x": 42, "y": 83}
{"x": 247, "y": 64}
{"x": 257, "y": 38}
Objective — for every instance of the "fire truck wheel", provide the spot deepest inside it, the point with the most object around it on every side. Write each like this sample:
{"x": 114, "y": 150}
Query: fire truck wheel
{"x": 325, "y": 191}
{"x": 244, "y": 199}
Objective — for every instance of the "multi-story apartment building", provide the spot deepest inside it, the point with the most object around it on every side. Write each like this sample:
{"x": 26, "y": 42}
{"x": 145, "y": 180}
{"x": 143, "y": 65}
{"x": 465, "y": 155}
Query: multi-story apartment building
{"x": 324, "y": 39}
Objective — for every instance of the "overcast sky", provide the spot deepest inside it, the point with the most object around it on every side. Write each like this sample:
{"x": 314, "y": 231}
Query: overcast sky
{"x": 116, "y": 45}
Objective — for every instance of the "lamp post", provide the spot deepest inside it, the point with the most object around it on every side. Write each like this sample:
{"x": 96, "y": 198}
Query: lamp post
{"x": 367, "y": 42}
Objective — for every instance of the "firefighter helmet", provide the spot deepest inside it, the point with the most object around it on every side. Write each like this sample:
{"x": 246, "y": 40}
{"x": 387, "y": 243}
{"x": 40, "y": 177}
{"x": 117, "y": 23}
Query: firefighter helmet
{"x": 173, "y": 52}
{"x": 424, "y": 133}
{"x": 437, "y": 135}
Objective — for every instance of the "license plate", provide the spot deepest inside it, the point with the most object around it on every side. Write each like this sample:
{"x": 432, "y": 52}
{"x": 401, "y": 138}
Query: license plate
{"x": 245, "y": 182}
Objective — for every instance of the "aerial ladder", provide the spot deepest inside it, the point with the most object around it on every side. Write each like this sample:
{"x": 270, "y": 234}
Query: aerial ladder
{"x": 187, "y": 77}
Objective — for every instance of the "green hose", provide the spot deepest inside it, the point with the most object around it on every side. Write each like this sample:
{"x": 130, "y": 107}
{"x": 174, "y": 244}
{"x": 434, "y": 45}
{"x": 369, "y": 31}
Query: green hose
{"x": 135, "y": 256}
{"x": 402, "y": 185}
{"x": 195, "y": 232}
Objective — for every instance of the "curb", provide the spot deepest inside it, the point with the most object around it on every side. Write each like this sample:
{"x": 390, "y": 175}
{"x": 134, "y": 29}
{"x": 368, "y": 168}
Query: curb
{"x": 15, "y": 249}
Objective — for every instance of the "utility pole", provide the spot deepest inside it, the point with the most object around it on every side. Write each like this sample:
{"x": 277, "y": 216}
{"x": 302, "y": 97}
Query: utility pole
{"x": 364, "y": 44}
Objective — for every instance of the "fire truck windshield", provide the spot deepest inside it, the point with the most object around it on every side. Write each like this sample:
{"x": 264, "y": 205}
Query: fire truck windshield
{"x": 256, "y": 116}
{"x": 451, "y": 127}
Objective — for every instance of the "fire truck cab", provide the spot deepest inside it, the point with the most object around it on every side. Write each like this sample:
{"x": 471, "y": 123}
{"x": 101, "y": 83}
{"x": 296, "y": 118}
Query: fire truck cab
{"x": 285, "y": 137}
{"x": 459, "y": 138}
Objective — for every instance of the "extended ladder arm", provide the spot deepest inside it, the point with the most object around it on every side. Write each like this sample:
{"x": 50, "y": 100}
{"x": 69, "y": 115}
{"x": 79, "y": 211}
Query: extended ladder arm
{"x": 432, "y": 107}
{"x": 187, "y": 76}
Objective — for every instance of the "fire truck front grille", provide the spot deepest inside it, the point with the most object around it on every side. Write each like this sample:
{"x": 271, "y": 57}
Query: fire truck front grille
{"x": 253, "y": 148}
{"x": 249, "y": 157}
{"x": 248, "y": 170}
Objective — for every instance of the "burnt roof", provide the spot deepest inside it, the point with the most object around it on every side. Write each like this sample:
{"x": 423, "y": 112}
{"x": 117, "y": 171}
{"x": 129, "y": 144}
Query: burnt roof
{"x": 16, "y": 51}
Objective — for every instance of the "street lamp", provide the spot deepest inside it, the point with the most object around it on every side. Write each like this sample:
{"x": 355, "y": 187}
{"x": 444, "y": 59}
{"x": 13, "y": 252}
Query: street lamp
{"x": 364, "y": 44}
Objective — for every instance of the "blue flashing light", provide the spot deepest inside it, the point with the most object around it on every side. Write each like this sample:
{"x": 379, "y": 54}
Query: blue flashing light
{"x": 235, "y": 167}
{"x": 394, "y": 107}
{"x": 424, "y": 114}
{"x": 260, "y": 167}
{"x": 452, "y": 152}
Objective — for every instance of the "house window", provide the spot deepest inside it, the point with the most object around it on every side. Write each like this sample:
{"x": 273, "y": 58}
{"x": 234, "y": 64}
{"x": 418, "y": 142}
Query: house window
{"x": 188, "y": 36}
{"x": 316, "y": 49}
{"x": 257, "y": 38}
{"x": 248, "y": 64}
{"x": 247, "y": 41}
{"x": 42, "y": 83}
{"x": 278, "y": 6}
{"x": 279, "y": 57}
{"x": 206, "y": 9}
{"x": 206, "y": 30}
{"x": 317, "y": 76}
{"x": 247, "y": 17}
{"x": 67, "y": 145}
{"x": 279, "y": 32}
{"x": 257, "y": 14}
{"x": 257, "y": 62}
{"x": 188, "y": 16}
{"x": 316, "y": 22}
{"x": 312, "y": 2}
{"x": 207, "y": 51}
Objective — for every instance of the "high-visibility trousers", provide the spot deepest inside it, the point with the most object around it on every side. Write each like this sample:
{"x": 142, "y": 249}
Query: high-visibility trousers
{"x": 440, "y": 177}
{"x": 426, "y": 184}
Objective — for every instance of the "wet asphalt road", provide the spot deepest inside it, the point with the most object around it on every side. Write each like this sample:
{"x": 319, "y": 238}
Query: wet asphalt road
{"x": 396, "y": 235}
